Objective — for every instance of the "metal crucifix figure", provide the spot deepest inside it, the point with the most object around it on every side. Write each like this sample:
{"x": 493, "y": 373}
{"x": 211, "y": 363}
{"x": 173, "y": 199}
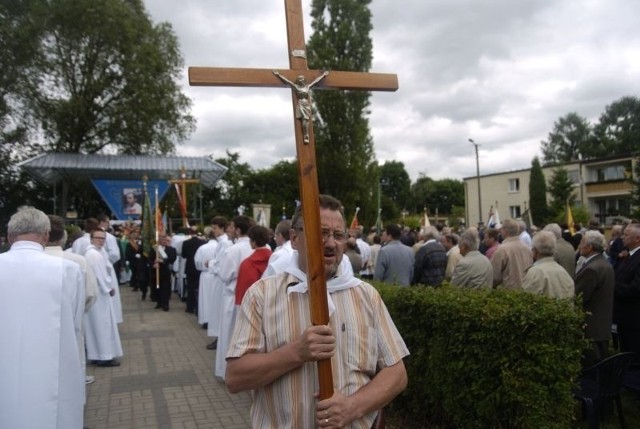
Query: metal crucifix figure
{"x": 305, "y": 145}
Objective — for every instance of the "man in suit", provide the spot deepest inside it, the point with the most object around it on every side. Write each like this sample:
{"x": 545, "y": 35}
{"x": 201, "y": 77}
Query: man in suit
{"x": 189, "y": 249}
{"x": 595, "y": 281}
{"x": 395, "y": 260}
{"x": 474, "y": 269}
{"x": 626, "y": 299}
{"x": 162, "y": 258}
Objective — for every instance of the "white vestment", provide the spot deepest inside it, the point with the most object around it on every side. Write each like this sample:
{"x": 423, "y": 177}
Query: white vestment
{"x": 229, "y": 275}
{"x": 179, "y": 264}
{"x": 90, "y": 290}
{"x": 215, "y": 303}
{"x": 284, "y": 251}
{"x": 205, "y": 285}
{"x": 79, "y": 247}
{"x": 41, "y": 379}
{"x": 101, "y": 329}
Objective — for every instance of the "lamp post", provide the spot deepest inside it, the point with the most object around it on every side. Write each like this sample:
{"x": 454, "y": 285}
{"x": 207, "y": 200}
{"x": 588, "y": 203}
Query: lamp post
{"x": 478, "y": 178}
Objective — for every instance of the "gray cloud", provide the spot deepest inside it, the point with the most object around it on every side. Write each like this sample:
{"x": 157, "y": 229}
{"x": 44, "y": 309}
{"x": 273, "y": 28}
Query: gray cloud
{"x": 498, "y": 71}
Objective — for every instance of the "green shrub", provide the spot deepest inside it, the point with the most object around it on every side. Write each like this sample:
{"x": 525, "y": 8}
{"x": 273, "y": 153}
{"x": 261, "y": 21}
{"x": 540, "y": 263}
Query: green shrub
{"x": 486, "y": 359}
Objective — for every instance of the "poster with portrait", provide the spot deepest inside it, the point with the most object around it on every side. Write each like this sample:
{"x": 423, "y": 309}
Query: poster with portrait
{"x": 125, "y": 198}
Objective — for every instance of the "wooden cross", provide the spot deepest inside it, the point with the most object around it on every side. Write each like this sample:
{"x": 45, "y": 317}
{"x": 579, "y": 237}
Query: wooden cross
{"x": 305, "y": 148}
{"x": 182, "y": 181}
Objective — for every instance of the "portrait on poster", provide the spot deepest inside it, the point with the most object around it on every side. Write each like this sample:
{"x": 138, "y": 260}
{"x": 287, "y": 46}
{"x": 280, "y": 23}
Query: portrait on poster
{"x": 131, "y": 198}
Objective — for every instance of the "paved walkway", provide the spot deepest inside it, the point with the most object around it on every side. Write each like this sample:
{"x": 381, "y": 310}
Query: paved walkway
{"x": 166, "y": 378}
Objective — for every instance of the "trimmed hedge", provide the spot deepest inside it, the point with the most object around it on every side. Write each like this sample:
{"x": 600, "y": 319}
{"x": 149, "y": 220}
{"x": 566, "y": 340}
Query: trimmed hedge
{"x": 486, "y": 358}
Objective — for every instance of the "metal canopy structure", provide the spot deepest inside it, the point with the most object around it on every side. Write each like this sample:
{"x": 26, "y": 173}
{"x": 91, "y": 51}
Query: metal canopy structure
{"x": 51, "y": 168}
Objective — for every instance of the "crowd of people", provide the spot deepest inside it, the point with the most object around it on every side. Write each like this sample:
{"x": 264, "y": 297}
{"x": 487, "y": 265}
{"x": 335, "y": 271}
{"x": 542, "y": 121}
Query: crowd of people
{"x": 247, "y": 286}
{"x": 550, "y": 262}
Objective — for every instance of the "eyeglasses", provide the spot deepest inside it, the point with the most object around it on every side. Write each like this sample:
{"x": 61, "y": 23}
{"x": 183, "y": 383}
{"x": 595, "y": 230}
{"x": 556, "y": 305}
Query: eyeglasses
{"x": 338, "y": 236}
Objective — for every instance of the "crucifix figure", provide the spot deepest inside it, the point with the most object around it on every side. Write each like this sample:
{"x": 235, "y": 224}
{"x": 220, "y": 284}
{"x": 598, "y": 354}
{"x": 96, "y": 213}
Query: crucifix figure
{"x": 305, "y": 145}
{"x": 304, "y": 108}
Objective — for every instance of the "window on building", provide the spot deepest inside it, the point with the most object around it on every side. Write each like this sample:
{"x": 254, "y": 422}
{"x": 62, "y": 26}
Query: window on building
{"x": 514, "y": 211}
{"x": 614, "y": 172}
{"x": 514, "y": 185}
{"x": 574, "y": 176}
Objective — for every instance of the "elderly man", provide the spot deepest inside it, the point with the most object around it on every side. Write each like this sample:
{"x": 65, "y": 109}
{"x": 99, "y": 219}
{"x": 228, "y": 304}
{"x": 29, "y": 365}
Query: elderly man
{"x": 430, "y": 260}
{"x": 41, "y": 314}
{"x": 511, "y": 258}
{"x": 275, "y": 346}
{"x": 626, "y": 298}
{"x": 595, "y": 281}
{"x": 474, "y": 269}
{"x": 565, "y": 254}
{"x": 546, "y": 276}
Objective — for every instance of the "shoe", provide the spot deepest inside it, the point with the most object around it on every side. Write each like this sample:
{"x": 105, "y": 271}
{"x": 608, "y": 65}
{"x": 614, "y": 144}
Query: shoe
{"x": 105, "y": 363}
{"x": 205, "y": 325}
{"x": 188, "y": 311}
{"x": 135, "y": 289}
{"x": 158, "y": 306}
{"x": 144, "y": 296}
{"x": 89, "y": 379}
{"x": 165, "y": 308}
{"x": 213, "y": 345}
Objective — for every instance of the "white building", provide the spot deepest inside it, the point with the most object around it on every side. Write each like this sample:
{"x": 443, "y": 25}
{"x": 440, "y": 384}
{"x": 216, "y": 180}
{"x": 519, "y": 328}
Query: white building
{"x": 601, "y": 185}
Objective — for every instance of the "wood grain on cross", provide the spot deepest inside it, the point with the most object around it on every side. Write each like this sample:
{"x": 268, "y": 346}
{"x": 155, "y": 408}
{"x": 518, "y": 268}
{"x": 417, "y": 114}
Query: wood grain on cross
{"x": 307, "y": 169}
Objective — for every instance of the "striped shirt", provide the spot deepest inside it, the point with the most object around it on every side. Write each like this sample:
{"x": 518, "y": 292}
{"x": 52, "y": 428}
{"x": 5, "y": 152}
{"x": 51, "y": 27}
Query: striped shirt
{"x": 366, "y": 341}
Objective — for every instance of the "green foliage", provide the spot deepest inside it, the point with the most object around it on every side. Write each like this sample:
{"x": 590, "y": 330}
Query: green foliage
{"x": 486, "y": 359}
{"x": 106, "y": 77}
{"x": 569, "y": 141}
{"x": 618, "y": 129}
{"x": 441, "y": 195}
{"x": 396, "y": 182}
{"x": 345, "y": 155}
{"x": 617, "y": 132}
{"x": 635, "y": 192}
{"x": 561, "y": 190}
{"x": 538, "y": 194}
{"x": 580, "y": 215}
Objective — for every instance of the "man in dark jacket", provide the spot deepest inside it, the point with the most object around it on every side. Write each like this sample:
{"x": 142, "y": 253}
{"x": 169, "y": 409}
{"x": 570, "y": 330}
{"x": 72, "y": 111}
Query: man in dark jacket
{"x": 189, "y": 248}
{"x": 162, "y": 259}
{"x": 626, "y": 300}
{"x": 431, "y": 260}
{"x": 595, "y": 281}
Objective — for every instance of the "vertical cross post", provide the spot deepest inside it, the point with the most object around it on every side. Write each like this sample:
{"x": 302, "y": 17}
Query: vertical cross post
{"x": 305, "y": 147}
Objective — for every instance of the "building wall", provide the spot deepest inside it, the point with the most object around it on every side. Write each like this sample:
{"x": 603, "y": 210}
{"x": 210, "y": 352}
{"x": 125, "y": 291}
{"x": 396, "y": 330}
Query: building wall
{"x": 597, "y": 185}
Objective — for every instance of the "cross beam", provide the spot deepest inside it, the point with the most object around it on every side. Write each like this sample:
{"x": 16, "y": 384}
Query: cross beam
{"x": 305, "y": 147}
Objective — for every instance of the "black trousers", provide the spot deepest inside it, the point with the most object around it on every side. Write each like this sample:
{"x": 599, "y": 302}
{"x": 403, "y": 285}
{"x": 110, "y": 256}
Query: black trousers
{"x": 192, "y": 293}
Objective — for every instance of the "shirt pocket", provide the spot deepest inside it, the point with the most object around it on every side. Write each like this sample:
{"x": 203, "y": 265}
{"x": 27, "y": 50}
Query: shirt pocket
{"x": 362, "y": 349}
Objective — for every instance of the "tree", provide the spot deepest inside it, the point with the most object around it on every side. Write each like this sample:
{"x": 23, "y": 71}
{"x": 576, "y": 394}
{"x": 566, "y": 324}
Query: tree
{"x": 105, "y": 78}
{"x": 442, "y": 195}
{"x": 635, "y": 191}
{"x": 569, "y": 140}
{"x": 397, "y": 183}
{"x": 618, "y": 129}
{"x": 561, "y": 190}
{"x": 345, "y": 155}
{"x": 229, "y": 193}
{"x": 538, "y": 194}
{"x": 278, "y": 186}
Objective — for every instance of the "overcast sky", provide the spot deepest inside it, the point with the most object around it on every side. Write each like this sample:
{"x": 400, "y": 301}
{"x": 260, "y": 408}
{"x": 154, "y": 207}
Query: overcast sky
{"x": 497, "y": 71}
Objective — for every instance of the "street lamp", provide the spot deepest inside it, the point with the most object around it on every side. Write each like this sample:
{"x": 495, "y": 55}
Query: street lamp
{"x": 478, "y": 178}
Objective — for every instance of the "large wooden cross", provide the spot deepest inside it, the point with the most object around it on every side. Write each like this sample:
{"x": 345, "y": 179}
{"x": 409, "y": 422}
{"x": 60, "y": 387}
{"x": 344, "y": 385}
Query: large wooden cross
{"x": 305, "y": 147}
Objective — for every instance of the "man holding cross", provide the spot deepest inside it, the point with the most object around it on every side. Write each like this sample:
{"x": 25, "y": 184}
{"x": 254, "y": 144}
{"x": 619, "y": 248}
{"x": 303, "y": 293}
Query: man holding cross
{"x": 275, "y": 346}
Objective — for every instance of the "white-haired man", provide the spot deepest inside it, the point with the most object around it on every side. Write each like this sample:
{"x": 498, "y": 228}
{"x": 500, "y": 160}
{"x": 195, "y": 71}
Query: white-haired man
{"x": 546, "y": 276}
{"x": 41, "y": 317}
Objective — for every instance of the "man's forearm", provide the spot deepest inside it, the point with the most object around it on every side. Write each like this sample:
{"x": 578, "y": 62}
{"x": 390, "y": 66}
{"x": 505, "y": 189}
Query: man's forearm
{"x": 255, "y": 370}
{"x": 386, "y": 385}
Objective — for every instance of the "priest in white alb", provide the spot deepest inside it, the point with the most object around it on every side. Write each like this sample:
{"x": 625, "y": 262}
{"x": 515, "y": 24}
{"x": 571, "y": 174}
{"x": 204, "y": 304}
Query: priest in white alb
{"x": 41, "y": 378}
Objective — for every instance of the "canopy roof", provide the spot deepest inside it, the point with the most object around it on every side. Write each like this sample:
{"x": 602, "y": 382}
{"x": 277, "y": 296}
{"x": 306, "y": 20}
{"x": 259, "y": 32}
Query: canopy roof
{"x": 51, "y": 168}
